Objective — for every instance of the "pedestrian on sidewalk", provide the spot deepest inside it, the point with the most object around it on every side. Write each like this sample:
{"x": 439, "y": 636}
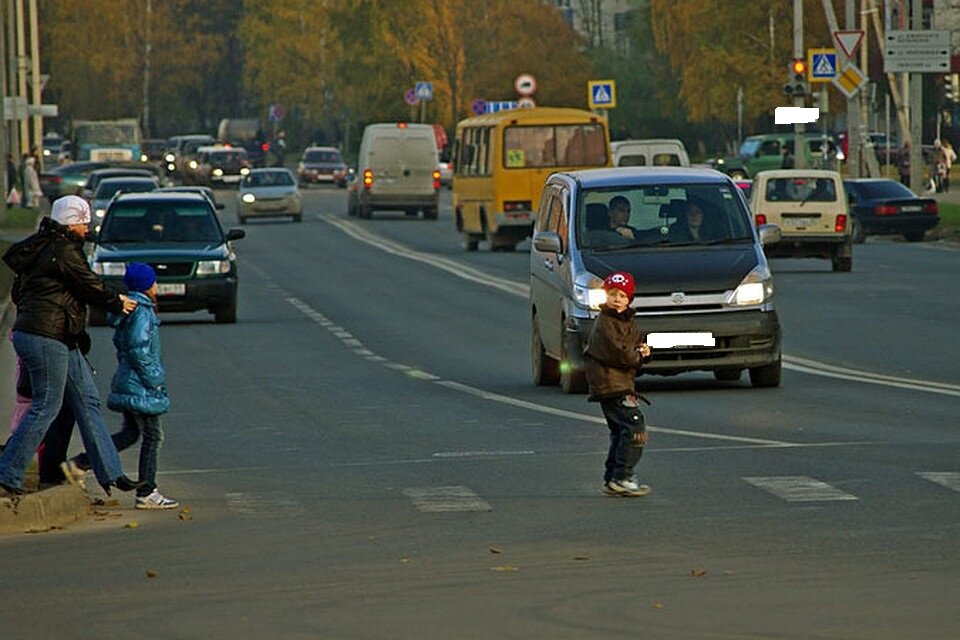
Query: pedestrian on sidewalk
{"x": 903, "y": 164}
{"x": 52, "y": 286}
{"x": 949, "y": 157}
{"x": 615, "y": 351}
{"x": 139, "y": 386}
{"x": 31, "y": 184}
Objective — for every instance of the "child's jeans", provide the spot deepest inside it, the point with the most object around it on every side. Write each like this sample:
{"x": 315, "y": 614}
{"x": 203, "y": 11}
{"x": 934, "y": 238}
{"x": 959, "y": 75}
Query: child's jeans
{"x": 627, "y": 435}
{"x": 135, "y": 424}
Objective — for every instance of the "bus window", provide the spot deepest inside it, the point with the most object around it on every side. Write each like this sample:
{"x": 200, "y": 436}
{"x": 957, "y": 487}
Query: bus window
{"x": 555, "y": 146}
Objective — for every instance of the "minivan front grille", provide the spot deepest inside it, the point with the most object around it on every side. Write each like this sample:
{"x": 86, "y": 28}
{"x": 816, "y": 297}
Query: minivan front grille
{"x": 678, "y": 302}
{"x": 172, "y": 269}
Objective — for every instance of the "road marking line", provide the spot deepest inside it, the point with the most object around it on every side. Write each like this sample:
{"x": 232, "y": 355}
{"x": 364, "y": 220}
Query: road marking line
{"x": 948, "y": 479}
{"x": 467, "y": 272}
{"x": 262, "y": 504}
{"x": 799, "y": 489}
{"x": 484, "y": 454}
{"x": 446, "y": 499}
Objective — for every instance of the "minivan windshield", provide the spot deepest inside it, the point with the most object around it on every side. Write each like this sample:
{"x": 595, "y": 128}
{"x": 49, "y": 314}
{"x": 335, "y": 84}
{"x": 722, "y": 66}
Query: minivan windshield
{"x": 661, "y": 215}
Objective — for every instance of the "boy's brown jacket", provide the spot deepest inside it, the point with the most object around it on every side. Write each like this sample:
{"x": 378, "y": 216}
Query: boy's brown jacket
{"x": 612, "y": 354}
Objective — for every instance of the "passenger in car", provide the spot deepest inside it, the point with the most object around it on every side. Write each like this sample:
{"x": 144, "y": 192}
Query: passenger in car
{"x": 619, "y": 208}
{"x": 689, "y": 226}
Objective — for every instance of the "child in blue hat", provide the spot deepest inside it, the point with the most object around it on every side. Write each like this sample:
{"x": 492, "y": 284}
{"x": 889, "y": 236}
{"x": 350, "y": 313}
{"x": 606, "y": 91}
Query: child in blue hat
{"x": 139, "y": 386}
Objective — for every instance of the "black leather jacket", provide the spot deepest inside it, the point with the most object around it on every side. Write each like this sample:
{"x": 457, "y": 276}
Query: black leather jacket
{"x": 54, "y": 284}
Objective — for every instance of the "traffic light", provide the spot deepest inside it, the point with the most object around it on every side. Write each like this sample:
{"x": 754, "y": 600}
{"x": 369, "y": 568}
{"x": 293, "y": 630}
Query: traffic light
{"x": 951, "y": 92}
{"x": 796, "y": 84}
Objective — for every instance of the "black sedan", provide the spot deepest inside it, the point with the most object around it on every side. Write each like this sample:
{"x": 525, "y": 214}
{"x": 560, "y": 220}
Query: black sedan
{"x": 178, "y": 234}
{"x": 886, "y": 207}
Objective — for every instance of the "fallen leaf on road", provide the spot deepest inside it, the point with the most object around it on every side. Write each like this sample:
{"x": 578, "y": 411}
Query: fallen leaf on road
{"x": 657, "y": 605}
{"x": 699, "y": 572}
{"x": 185, "y": 514}
{"x": 495, "y": 550}
{"x": 404, "y": 560}
{"x": 151, "y": 573}
{"x": 506, "y": 567}
{"x": 131, "y": 525}
{"x": 581, "y": 557}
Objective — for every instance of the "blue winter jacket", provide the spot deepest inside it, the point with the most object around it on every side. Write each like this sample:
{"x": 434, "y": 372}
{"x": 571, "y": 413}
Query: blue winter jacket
{"x": 140, "y": 383}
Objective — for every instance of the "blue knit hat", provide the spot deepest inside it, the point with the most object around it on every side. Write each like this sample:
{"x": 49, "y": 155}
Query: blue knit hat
{"x": 139, "y": 276}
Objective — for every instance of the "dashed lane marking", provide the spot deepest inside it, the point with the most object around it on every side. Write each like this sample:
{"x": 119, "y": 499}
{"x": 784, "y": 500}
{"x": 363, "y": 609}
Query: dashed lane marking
{"x": 446, "y": 499}
{"x": 800, "y": 489}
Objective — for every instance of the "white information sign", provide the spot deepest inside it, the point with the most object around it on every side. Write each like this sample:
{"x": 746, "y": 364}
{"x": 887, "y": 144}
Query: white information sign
{"x": 917, "y": 52}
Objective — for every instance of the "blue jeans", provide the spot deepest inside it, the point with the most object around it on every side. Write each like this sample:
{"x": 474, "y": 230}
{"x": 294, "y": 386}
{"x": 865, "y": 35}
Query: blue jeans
{"x": 58, "y": 375}
{"x": 135, "y": 424}
{"x": 624, "y": 419}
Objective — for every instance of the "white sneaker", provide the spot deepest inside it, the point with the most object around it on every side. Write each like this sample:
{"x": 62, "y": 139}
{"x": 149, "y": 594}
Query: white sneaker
{"x": 73, "y": 473}
{"x": 156, "y": 500}
{"x": 628, "y": 487}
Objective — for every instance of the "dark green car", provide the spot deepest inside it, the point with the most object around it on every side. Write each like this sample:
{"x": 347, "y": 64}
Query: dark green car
{"x": 766, "y": 152}
{"x": 179, "y": 235}
{"x": 67, "y": 179}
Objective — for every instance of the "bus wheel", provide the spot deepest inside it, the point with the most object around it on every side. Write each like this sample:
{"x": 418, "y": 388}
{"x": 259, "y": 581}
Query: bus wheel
{"x": 470, "y": 243}
{"x": 430, "y": 213}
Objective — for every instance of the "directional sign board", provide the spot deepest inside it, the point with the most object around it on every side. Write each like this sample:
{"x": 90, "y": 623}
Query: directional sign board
{"x": 821, "y": 65}
{"x": 917, "y": 52}
{"x": 423, "y": 90}
{"x": 602, "y": 94}
{"x": 493, "y": 106}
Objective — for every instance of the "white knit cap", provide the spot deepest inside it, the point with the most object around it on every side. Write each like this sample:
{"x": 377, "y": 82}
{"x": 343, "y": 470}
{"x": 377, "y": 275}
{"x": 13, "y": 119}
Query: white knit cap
{"x": 70, "y": 210}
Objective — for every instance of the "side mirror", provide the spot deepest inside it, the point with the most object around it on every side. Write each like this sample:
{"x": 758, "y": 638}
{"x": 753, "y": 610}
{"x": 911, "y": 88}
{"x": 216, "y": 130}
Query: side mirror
{"x": 236, "y": 234}
{"x": 547, "y": 241}
{"x": 769, "y": 234}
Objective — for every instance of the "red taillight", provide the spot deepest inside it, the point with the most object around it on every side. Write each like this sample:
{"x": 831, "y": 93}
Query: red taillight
{"x": 436, "y": 178}
{"x": 886, "y": 210}
{"x": 517, "y": 205}
{"x": 761, "y": 219}
{"x": 931, "y": 207}
{"x": 401, "y": 125}
{"x": 265, "y": 147}
{"x": 367, "y": 178}
{"x": 841, "y": 224}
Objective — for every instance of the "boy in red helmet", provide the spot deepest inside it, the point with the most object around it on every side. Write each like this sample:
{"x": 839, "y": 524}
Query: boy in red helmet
{"x": 614, "y": 352}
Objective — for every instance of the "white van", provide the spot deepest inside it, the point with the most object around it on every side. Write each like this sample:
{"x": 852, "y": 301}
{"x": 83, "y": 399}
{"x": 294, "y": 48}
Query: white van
{"x": 397, "y": 169}
{"x": 660, "y": 152}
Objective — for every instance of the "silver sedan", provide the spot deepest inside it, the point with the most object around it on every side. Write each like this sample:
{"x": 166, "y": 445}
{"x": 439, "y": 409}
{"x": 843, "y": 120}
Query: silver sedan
{"x": 269, "y": 192}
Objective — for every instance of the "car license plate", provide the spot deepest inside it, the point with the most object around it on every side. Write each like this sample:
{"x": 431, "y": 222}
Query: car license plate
{"x": 171, "y": 289}
{"x": 798, "y": 222}
{"x": 683, "y": 339}
{"x": 911, "y": 208}
{"x": 231, "y": 178}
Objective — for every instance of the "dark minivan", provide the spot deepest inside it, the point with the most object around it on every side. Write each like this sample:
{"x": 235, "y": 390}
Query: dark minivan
{"x": 704, "y": 291}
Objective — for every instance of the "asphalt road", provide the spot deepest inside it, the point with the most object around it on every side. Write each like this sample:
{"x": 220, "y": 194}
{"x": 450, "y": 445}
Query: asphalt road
{"x": 363, "y": 455}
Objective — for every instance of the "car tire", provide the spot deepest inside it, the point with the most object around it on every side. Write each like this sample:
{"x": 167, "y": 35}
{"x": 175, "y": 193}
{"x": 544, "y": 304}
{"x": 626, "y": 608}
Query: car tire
{"x": 859, "y": 235}
{"x": 227, "y": 314}
{"x": 430, "y": 213}
{"x": 298, "y": 218}
{"x": 546, "y": 370}
{"x": 914, "y": 236}
{"x": 728, "y": 375}
{"x": 364, "y": 211}
{"x": 572, "y": 381}
{"x": 767, "y": 375}
{"x": 470, "y": 243}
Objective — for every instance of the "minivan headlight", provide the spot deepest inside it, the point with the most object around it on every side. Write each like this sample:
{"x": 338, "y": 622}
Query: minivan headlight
{"x": 248, "y": 198}
{"x": 756, "y": 288}
{"x": 212, "y": 267}
{"x": 588, "y": 292}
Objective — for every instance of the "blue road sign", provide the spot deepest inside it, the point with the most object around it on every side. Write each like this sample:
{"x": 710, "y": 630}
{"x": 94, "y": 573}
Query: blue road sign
{"x": 823, "y": 66}
{"x": 478, "y": 107}
{"x": 494, "y": 106}
{"x": 602, "y": 94}
{"x": 424, "y": 90}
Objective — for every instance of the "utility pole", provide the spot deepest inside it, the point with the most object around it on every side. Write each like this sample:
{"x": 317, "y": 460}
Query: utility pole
{"x": 916, "y": 111}
{"x": 36, "y": 81}
{"x": 854, "y": 138}
{"x": 146, "y": 72}
{"x": 22, "y": 75}
{"x": 799, "y": 144}
{"x": 12, "y": 127}
{"x": 3, "y": 121}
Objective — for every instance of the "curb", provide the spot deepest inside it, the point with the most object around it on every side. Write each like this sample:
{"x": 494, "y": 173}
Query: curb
{"x": 44, "y": 510}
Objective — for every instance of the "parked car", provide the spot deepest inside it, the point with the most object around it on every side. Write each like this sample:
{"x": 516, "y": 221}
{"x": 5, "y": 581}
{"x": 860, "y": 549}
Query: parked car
{"x": 204, "y": 191}
{"x": 810, "y": 207}
{"x": 68, "y": 179}
{"x": 179, "y": 235}
{"x": 765, "y": 151}
{"x": 703, "y": 304}
{"x": 269, "y": 192}
{"x": 217, "y": 166}
{"x": 882, "y": 207}
{"x": 321, "y": 165}
{"x": 109, "y": 187}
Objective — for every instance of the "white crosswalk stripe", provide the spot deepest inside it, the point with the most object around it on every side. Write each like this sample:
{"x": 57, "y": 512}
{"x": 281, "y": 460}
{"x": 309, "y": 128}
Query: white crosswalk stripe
{"x": 948, "y": 479}
{"x": 446, "y": 499}
{"x": 799, "y": 488}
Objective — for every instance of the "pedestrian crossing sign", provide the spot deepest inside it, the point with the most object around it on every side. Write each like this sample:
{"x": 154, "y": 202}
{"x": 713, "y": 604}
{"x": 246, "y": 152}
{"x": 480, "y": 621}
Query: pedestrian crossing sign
{"x": 602, "y": 94}
{"x": 821, "y": 65}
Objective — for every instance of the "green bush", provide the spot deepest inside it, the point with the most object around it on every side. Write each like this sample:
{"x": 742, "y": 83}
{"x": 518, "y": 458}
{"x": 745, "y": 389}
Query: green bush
{"x": 19, "y": 218}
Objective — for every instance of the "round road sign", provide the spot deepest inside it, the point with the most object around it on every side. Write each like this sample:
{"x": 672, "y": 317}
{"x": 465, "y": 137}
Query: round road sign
{"x": 410, "y": 97}
{"x": 525, "y": 84}
{"x": 526, "y": 102}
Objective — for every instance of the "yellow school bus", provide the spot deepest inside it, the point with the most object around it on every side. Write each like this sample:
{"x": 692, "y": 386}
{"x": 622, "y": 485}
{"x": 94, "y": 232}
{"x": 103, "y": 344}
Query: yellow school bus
{"x": 502, "y": 160}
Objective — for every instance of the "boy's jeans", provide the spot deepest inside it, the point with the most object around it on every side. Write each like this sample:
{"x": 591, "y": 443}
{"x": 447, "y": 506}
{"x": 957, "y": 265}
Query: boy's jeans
{"x": 58, "y": 375}
{"x": 135, "y": 424}
{"x": 624, "y": 420}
